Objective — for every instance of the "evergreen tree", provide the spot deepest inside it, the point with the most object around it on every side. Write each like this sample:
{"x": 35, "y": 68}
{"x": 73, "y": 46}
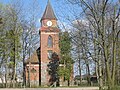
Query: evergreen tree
{"x": 52, "y": 70}
{"x": 65, "y": 57}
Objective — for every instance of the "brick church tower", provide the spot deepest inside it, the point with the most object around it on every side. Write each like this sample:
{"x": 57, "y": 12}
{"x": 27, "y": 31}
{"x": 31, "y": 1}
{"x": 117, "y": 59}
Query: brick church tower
{"x": 36, "y": 66}
{"x": 49, "y": 41}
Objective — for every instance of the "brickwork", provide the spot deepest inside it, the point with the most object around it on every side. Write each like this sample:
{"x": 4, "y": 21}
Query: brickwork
{"x": 34, "y": 73}
{"x": 44, "y": 23}
{"x": 44, "y": 75}
{"x": 44, "y": 53}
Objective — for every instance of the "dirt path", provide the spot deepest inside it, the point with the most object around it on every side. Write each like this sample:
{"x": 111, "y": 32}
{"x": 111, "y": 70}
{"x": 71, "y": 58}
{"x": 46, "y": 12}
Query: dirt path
{"x": 82, "y": 88}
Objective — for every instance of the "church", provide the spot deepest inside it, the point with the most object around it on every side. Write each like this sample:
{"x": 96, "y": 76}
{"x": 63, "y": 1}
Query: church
{"x": 36, "y": 68}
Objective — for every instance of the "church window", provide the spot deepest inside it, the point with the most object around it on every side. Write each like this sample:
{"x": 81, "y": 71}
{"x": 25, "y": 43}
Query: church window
{"x": 33, "y": 70}
{"x": 50, "y": 42}
{"x": 50, "y": 52}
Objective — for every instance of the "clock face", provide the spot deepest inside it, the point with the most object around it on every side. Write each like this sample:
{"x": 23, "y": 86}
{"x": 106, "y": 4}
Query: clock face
{"x": 49, "y": 23}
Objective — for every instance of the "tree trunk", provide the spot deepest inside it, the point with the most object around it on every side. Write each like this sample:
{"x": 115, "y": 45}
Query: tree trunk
{"x": 100, "y": 75}
{"x": 68, "y": 82}
{"x": 80, "y": 72}
{"x": 24, "y": 71}
{"x": 29, "y": 75}
{"x": 114, "y": 56}
{"x": 88, "y": 74}
{"x": 79, "y": 65}
{"x": 14, "y": 65}
{"x": 24, "y": 75}
{"x": 6, "y": 77}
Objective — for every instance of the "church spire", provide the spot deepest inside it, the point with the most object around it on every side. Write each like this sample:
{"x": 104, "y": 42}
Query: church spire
{"x": 49, "y": 13}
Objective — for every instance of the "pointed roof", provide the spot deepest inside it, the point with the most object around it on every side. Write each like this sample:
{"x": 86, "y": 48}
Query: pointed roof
{"x": 35, "y": 57}
{"x": 49, "y": 13}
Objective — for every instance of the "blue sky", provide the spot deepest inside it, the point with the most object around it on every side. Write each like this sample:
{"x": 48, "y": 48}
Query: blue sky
{"x": 57, "y": 5}
{"x": 60, "y": 8}
{"x": 42, "y": 3}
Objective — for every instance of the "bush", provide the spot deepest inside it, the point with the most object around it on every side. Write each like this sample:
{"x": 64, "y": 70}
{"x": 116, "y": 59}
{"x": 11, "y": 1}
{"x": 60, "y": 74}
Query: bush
{"x": 117, "y": 88}
{"x": 2, "y": 85}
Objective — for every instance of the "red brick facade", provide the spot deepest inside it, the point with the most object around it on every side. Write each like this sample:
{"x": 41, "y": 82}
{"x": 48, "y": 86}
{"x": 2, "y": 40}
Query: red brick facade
{"x": 34, "y": 73}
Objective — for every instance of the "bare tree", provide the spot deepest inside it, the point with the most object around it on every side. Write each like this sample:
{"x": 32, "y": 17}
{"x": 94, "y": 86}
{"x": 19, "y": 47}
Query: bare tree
{"x": 30, "y": 36}
{"x": 103, "y": 16}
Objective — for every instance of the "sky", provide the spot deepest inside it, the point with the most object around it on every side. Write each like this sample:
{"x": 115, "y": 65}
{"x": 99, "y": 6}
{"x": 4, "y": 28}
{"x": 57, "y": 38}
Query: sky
{"x": 57, "y": 5}
{"x": 42, "y": 3}
{"x": 61, "y": 9}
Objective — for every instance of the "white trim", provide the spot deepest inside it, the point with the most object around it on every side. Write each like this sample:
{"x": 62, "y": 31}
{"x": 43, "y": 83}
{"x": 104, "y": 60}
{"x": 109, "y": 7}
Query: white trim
{"x": 61, "y": 65}
{"x": 49, "y": 33}
{"x": 32, "y": 65}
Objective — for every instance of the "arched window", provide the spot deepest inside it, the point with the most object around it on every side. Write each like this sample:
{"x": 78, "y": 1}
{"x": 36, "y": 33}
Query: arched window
{"x": 50, "y": 52}
{"x": 50, "y": 42}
